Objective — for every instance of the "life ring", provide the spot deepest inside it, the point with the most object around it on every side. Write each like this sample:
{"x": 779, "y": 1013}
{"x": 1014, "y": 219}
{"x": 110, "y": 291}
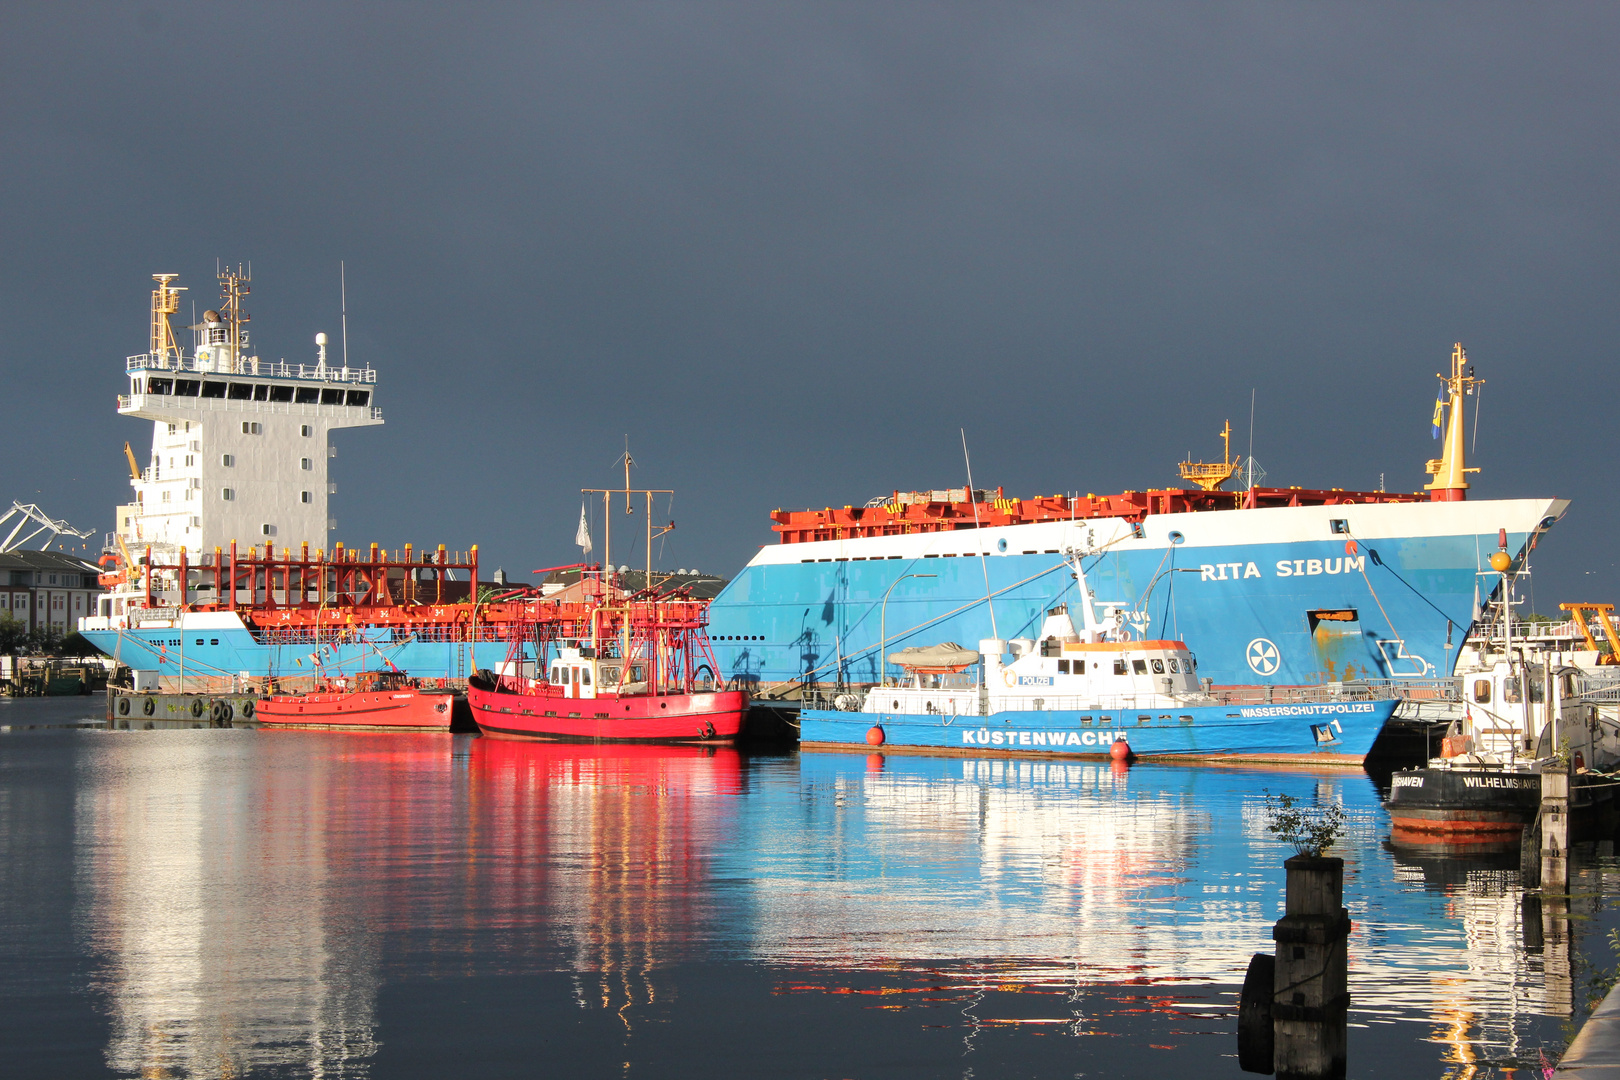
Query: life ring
{"x": 149, "y": 707}
{"x": 1008, "y": 677}
{"x": 196, "y": 706}
{"x": 247, "y": 709}
{"x": 123, "y": 706}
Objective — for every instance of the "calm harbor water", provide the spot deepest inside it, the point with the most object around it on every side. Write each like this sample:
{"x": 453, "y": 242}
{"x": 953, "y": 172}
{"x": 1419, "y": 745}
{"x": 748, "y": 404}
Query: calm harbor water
{"x": 237, "y": 903}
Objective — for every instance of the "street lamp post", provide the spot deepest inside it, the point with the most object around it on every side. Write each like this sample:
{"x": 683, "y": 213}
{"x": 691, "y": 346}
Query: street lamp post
{"x": 883, "y": 624}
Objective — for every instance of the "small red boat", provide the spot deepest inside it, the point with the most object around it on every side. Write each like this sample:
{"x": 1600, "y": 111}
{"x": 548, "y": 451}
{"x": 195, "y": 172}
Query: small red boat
{"x": 370, "y": 701}
{"x": 636, "y": 669}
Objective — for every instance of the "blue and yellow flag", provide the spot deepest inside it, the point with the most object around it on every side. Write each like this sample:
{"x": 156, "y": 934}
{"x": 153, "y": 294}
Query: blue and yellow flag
{"x": 1439, "y": 404}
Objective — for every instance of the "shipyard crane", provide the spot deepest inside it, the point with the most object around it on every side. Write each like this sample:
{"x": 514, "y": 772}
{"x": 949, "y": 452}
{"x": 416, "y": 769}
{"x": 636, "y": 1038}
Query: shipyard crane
{"x": 1602, "y": 611}
{"x": 33, "y": 515}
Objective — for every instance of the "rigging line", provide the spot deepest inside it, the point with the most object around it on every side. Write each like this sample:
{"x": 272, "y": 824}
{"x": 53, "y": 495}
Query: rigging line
{"x": 1409, "y": 585}
{"x": 1387, "y": 620}
{"x": 1479, "y": 392}
{"x": 938, "y": 618}
{"x": 983, "y": 555}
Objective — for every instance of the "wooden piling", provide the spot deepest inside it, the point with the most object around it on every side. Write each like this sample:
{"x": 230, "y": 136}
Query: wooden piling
{"x": 1311, "y": 997}
{"x": 1555, "y": 831}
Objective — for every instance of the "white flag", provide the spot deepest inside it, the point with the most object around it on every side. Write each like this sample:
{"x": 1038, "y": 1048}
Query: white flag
{"x": 583, "y": 536}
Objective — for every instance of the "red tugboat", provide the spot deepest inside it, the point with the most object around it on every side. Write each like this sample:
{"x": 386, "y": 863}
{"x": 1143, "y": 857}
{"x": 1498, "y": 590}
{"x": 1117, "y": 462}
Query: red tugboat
{"x": 632, "y": 667}
{"x": 369, "y": 701}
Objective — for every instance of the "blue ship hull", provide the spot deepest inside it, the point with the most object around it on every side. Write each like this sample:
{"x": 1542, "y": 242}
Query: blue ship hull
{"x": 223, "y": 651}
{"x": 1329, "y": 732}
{"x": 1262, "y": 597}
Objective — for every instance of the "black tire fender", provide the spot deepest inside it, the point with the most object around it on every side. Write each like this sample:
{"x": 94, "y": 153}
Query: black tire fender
{"x": 148, "y": 707}
{"x": 123, "y": 706}
{"x": 247, "y": 709}
{"x": 1256, "y": 1038}
{"x": 197, "y": 707}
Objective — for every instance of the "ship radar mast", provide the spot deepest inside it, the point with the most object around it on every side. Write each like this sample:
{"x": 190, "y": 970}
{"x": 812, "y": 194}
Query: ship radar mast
{"x": 1211, "y": 475}
{"x": 233, "y": 286}
{"x": 1450, "y": 470}
{"x": 165, "y": 302}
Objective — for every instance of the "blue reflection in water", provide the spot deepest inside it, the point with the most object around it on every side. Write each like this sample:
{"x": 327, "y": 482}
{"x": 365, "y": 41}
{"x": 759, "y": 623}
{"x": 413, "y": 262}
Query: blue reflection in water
{"x": 212, "y": 903}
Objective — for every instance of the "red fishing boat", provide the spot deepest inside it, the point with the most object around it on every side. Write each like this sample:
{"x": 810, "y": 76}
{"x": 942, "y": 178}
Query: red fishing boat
{"x": 641, "y": 672}
{"x": 633, "y": 667}
{"x": 369, "y": 701}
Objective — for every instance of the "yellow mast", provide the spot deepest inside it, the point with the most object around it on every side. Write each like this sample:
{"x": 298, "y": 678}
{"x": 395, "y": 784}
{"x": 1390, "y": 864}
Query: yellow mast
{"x": 1449, "y": 470}
{"x": 165, "y": 302}
{"x": 1209, "y": 475}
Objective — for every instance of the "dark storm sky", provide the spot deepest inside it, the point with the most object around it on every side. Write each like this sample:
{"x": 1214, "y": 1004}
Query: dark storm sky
{"x": 791, "y": 250}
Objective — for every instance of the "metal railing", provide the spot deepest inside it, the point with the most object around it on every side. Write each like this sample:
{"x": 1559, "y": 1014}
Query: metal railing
{"x": 959, "y": 700}
{"x": 1603, "y": 689}
{"x": 252, "y": 365}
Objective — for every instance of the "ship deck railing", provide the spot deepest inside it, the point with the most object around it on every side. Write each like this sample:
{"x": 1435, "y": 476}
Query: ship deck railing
{"x": 1599, "y": 689}
{"x": 252, "y": 365}
{"x": 947, "y": 701}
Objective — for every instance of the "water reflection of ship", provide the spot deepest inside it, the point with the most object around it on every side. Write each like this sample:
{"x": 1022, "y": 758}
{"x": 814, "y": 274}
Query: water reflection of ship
{"x": 615, "y": 845}
{"x": 180, "y": 846}
{"x": 1053, "y": 874}
{"x": 1519, "y": 961}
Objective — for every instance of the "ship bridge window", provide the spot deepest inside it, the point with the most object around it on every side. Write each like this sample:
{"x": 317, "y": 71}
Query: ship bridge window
{"x": 261, "y": 392}
{"x": 307, "y": 395}
{"x": 240, "y": 391}
{"x": 1158, "y": 667}
{"x": 331, "y": 396}
{"x": 1063, "y": 667}
{"x": 358, "y": 397}
{"x": 213, "y": 389}
{"x": 187, "y": 387}
{"x": 160, "y": 386}
{"x": 585, "y": 676}
{"x": 281, "y": 393}
{"x": 1139, "y": 667}
{"x": 1510, "y": 691}
{"x": 1119, "y": 667}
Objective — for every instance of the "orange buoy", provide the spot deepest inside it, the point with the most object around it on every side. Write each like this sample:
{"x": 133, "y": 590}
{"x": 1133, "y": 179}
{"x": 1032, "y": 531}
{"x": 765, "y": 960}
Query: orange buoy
{"x": 874, "y": 735}
{"x": 1121, "y": 750}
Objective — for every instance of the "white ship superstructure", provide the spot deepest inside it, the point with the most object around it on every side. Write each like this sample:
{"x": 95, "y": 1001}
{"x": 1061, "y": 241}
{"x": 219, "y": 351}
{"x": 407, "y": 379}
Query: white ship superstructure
{"x": 239, "y": 444}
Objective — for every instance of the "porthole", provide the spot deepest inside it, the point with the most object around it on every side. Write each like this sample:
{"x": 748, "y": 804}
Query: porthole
{"x": 1001, "y": 545}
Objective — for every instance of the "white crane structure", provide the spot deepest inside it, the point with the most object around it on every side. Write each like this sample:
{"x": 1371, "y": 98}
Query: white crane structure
{"x": 42, "y": 522}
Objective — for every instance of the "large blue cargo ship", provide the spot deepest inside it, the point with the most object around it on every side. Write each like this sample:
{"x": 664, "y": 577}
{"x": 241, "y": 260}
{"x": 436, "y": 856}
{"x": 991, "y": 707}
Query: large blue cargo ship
{"x": 1268, "y": 586}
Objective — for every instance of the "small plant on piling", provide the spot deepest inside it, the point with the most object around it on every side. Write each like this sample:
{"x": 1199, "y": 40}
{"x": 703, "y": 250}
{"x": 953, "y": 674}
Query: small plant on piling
{"x": 1310, "y": 830}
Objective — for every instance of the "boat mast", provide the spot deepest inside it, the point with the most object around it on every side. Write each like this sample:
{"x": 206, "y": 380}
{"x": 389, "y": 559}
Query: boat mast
{"x": 1450, "y": 469}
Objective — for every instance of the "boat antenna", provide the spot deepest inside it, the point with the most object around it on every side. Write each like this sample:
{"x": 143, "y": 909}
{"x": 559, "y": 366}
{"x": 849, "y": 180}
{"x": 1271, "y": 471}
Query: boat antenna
{"x": 1249, "y": 480}
{"x": 628, "y": 507}
{"x": 989, "y": 597}
{"x": 343, "y": 301}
